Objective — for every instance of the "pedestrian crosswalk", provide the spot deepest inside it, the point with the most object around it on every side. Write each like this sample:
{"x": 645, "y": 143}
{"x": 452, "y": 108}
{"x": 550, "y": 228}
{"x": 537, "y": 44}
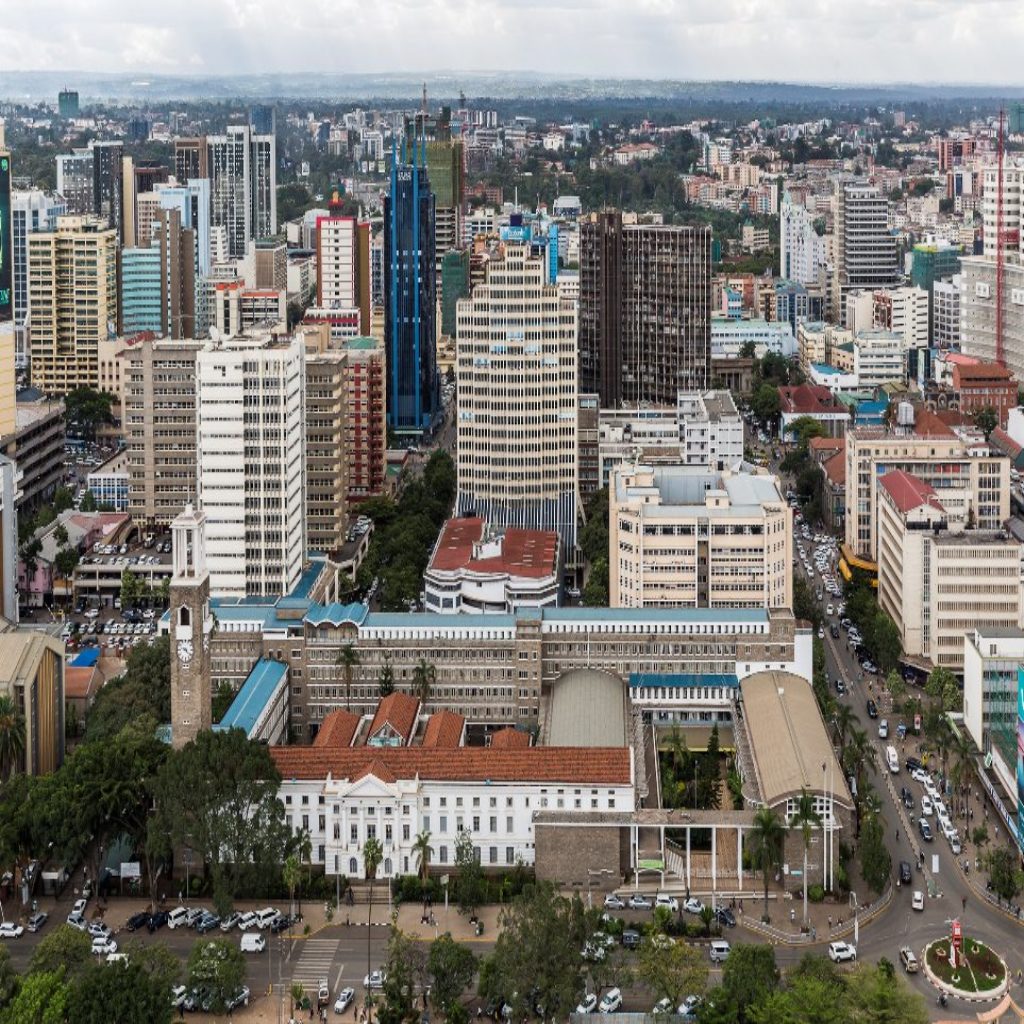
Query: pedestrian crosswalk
{"x": 315, "y": 961}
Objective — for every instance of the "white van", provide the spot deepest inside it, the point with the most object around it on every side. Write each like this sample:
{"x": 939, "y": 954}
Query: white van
{"x": 893, "y": 760}
{"x": 177, "y": 918}
{"x": 253, "y": 942}
{"x": 719, "y": 950}
{"x": 266, "y": 917}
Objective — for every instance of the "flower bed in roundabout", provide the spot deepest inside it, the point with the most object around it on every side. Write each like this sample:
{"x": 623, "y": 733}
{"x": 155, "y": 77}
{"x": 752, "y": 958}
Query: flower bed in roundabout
{"x": 981, "y": 975}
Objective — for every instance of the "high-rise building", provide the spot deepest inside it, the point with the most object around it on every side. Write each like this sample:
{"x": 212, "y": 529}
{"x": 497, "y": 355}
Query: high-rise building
{"x": 366, "y": 431}
{"x": 645, "y": 310}
{"x": 977, "y": 290}
{"x": 159, "y": 418}
{"x": 454, "y": 286}
{"x": 410, "y": 297}
{"x": 1013, "y": 203}
{"x": 191, "y": 158}
{"x": 75, "y": 181}
{"x": 945, "y": 306}
{"x": 516, "y": 370}
{"x": 904, "y": 311}
{"x": 67, "y": 103}
{"x": 158, "y": 283}
{"x": 343, "y": 264}
{"x": 251, "y": 444}
{"x": 242, "y": 168}
{"x": 8, "y": 362}
{"x": 73, "y": 301}
{"x": 108, "y": 198}
{"x": 933, "y": 262}
{"x": 262, "y": 119}
{"x": 801, "y": 248}
{"x": 31, "y": 210}
{"x": 681, "y": 537}
{"x": 865, "y": 246}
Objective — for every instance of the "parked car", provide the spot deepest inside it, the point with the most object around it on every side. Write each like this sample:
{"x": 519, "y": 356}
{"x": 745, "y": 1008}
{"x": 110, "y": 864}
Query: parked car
{"x": 207, "y": 923}
{"x": 841, "y": 952}
{"x": 240, "y": 998}
{"x": 37, "y": 920}
{"x": 156, "y": 921}
{"x": 914, "y": 764}
{"x": 664, "y": 900}
{"x": 907, "y": 798}
{"x": 611, "y": 1001}
{"x": 688, "y": 1007}
{"x": 926, "y": 807}
{"x": 246, "y": 921}
{"x": 78, "y": 921}
{"x": 103, "y": 946}
{"x": 613, "y": 901}
{"x": 344, "y": 1000}
{"x": 588, "y": 1004}
{"x": 719, "y": 951}
{"x": 662, "y": 1006}
{"x": 640, "y": 902}
{"x": 231, "y": 921}
{"x": 253, "y": 942}
{"x": 11, "y": 930}
{"x": 693, "y": 905}
{"x": 178, "y": 995}
{"x": 375, "y": 979}
{"x": 925, "y": 829}
{"x": 917, "y": 900}
{"x": 137, "y": 921}
{"x": 631, "y": 939}
{"x": 872, "y": 709}
{"x": 725, "y": 917}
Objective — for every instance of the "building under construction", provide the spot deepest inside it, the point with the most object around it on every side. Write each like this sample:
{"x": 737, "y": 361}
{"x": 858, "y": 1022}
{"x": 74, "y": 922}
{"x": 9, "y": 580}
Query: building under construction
{"x": 645, "y": 310}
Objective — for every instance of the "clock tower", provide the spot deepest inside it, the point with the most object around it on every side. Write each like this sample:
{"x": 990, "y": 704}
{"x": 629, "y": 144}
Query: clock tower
{"x": 191, "y": 626}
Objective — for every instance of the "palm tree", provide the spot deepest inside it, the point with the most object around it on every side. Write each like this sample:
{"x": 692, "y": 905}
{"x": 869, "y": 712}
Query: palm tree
{"x": 12, "y": 737}
{"x": 963, "y": 766}
{"x": 424, "y": 675}
{"x": 304, "y": 849}
{"x": 291, "y": 872}
{"x": 805, "y": 818}
{"x": 707, "y": 917}
{"x": 423, "y": 851}
{"x": 842, "y": 722}
{"x": 348, "y": 658}
{"x": 766, "y": 839}
{"x": 373, "y": 854}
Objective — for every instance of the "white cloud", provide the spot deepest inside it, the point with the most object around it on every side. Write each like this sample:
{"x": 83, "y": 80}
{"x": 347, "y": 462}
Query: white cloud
{"x": 793, "y": 40}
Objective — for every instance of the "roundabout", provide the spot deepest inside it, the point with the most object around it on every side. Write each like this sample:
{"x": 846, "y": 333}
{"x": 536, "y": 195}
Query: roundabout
{"x": 965, "y": 968}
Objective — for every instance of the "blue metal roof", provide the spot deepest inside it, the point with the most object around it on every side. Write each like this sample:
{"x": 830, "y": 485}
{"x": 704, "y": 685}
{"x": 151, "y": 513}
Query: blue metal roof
{"x": 86, "y": 658}
{"x": 336, "y": 613}
{"x": 682, "y": 679}
{"x": 256, "y": 693}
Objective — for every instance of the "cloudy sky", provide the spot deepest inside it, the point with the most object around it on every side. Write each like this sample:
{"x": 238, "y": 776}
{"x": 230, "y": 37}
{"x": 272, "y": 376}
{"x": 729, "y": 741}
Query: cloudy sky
{"x": 923, "y": 41}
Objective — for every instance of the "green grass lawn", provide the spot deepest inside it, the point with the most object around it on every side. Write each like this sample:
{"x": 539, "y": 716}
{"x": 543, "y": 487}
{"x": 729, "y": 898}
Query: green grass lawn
{"x": 983, "y": 971}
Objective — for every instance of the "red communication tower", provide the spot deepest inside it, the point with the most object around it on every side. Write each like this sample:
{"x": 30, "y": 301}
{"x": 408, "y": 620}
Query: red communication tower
{"x": 1005, "y": 238}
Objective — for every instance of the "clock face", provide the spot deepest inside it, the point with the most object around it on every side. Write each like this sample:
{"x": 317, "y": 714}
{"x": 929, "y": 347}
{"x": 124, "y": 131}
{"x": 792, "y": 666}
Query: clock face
{"x": 184, "y": 651}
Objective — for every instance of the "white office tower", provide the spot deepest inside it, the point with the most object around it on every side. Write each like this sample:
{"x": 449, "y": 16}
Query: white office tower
{"x": 250, "y": 439}
{"x": 802, "y": 249}
{"x": 1013, "y": 190}
{"x": 243, "y": 186}
{"x": 865, "y": 246}
{"x": 517, "y": 378}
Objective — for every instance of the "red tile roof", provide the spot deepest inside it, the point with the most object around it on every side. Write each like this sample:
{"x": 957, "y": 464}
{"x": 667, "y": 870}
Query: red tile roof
{"x": 927, "y": 424}
{"x": 509, "y": 739}
{"x": 595, "y": 766}
{"x": 1006, "y": 444}
{"x": 820, "y": 444}
{"x": 532, "y": 553}
{"x": 908, "y": 491}
{"x": 82, "y": 682}
{"x": 398, "y": 710}
{"x": 807, "y": 399}
{"x": 835, "y": 468}
{"x": 979, "y": 371}
{"x": 444, "y": 730}
{"x": 338, "y": 729}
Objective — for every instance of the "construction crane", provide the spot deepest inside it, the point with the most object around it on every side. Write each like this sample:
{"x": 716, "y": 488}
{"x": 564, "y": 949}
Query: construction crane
{"x": 1005, "y": 237}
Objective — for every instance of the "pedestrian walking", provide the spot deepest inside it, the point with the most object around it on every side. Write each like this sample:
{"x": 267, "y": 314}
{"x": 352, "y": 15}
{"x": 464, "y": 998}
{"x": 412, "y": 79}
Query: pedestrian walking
{"x": 830, "y": 922}
{"x": 897, "y": 835}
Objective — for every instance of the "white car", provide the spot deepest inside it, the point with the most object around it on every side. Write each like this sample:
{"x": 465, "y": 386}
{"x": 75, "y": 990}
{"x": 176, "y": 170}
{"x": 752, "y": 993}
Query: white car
{"x": 613, "y": 901}
{"x": 662, "y": 1006}
{"x": 11, "y": 930}
{"x": 611, "y": 1001}
{"x": 921, "y": 776}
{"x": 639, "y": 902}
{"x": 102, "y": 946}
{"x": 688, "y": 1007}
{"x": 693, "y": 905}
{"x": 664, "y": 900}
{"x": 79, "y": 907}
{"x": 588, "y": 1004}
{"x": 926, "y": 806}
{"x": 78, "y": 921}
{"x": 375, "y": 979}
{"x": 917, "y": 900}
{"x": 178, "y": 994}
{"x": 841, "y": 952}
{"x": 99, "y": 930}
{"x": 830, "y": 611}
{"x": 883, "y": 729}
{"x": 344, "y": 1000}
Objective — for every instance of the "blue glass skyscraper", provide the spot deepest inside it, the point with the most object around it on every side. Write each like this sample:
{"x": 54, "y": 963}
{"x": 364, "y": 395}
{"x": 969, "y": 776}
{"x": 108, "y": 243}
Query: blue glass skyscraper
{"x": 410, "y": 328}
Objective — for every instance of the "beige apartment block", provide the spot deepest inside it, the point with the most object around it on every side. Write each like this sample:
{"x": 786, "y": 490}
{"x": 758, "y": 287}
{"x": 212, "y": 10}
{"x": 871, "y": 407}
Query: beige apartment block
{"x": 73, "y": 301}
{"x": 967, "y": 475}
{"x": 681, "y": 536}
{"x": 938, "y": 580}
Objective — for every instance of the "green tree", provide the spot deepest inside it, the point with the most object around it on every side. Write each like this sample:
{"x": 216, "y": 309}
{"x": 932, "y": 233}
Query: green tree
{"x": 766, "y": 404}
{"x": 451, "y": 967}
{"x": 886, "y": 642}
{"x": 765, "y": 843}
{"x": 386, "y": 678}
{"x": 43, "y": 998}
{"x": 63, "y": 499}
{"x": 291, "y": 873}
{"x": 877, "y": 993}
{"x": 875, "y": 861}
{"x": 804, "y": 605}
{"x": 222, "y": 700}
{"x": 424, "y": 676}
{"x": 60, "y": 534}
{"x": 938, "y": 679}
{"x": 805, "y": 818}
{"x": 89, "y": 502}
{"x": 119, "y": 992}
{"x": 8, "y": 977}
{"x": 86, "y": 410}
{"x": 131, "y": 589}
{"x": 803, "y": 428}
{"x": 748, "y": 350}
{"x": 406, "y": 968}
{"x": 595, "y": 590}
{"x": 469, "y": 879}
{"x": 423, "y": 851}
{"x": 1004, "y": 872}
{"x": 986, "y": 421}
{"x": 219, "y": 795}
{"x": 348, "y": 659}
{"x": 64, "y": 949}
{"x": 65, "y": 561}
{"x": 12, "y": 737}
{"x": 896, "y": 686}
{"x": 143, "y": 691}
{"x": 594, "y": 535}
{"x": 749, "y": 974}
{"x": 538, "y": 952}
{"x": 671, "y": 971}
{"x": 217, "y": 965}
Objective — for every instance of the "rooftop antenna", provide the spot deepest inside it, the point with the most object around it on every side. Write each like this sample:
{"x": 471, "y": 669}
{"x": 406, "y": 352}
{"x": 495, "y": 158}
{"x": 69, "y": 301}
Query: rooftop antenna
{"x": 424, "y": 107}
